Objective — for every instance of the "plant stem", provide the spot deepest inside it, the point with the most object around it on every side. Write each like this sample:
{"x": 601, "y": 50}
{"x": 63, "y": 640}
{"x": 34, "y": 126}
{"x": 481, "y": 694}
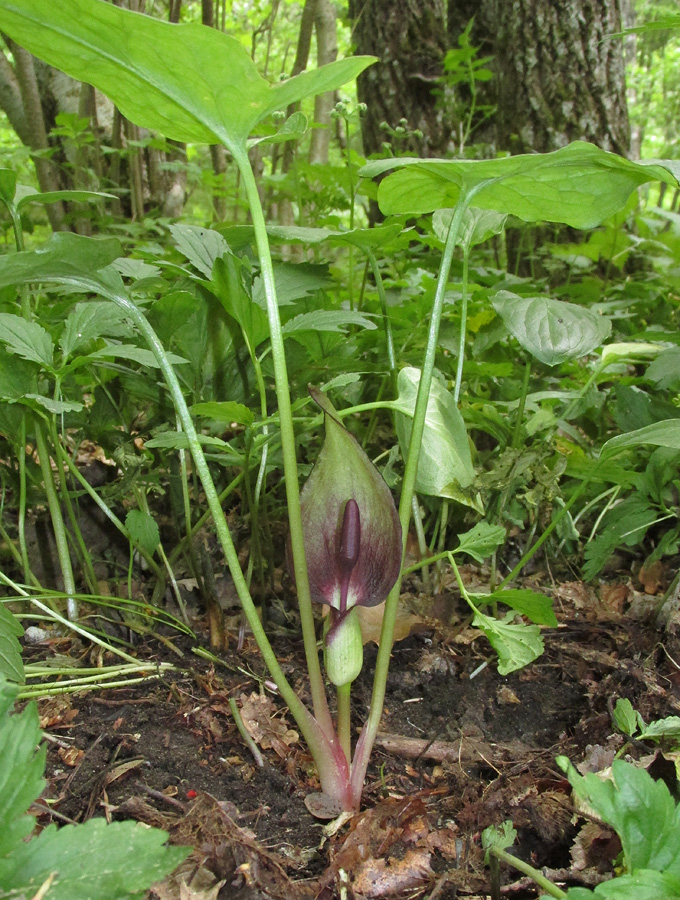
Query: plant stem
{"x": 319, "y": 700}
{"x": 23, "y": 549}
{"x": 368, "y": 734}
{"x": 344, "y": 719}
{"x": 58, "y": 526}
{"x": 517, "y": 431}
{"x": 245, "y": 734}
{"x": 389, "y": 341}
{"x": 526, "y": 869}
{"x": 322, "y": 741}
{"x": 463, "y": 328}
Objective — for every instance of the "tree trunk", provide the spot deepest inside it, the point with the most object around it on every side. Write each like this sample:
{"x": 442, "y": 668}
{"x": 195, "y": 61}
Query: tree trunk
{"x": 48, "y": 176}
{"x": 218, "y": 154}
{"x": 557, "y": 78}
{"x": 326, "y": 26}
{"x": 285, "y": 210}
{"x": 409, "y": 38}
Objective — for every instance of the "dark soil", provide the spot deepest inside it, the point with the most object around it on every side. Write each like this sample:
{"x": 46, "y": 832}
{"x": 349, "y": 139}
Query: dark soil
{"x": 464, "y": 748}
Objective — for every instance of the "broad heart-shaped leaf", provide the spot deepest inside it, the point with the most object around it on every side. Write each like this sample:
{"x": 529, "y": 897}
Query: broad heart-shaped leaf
{"x": 20, "y": 773}
{"x": 190, "y": 82}
{"x": 579, "y": 185}
{"x": 113, "y": 861}
{"x": 551, "y": 330}
{"x": 445, "y": 463}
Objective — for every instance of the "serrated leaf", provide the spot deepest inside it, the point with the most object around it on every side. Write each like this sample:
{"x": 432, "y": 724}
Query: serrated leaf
{"x": 136, "y": 269}
{"x": 551, "y": 330}
{"x": 328, "y": 320}
{"x": 624, "y": 526}
{"x": 660, "y": 729}
{"x": 665, "y": 369}
{"x": 641, "y": 811}
{"x": 224, "y": 98}
{"x": 516, "y": 645}
{"x": 227, "y": 411}
{"x": 201, "y": 246}
{"x": 177, "y": 440}
{"x": 643, "y": 885}
{"x": 294, "y": 281}
{"x": 29, "y": 340}
{"x": 107, "y": 861}
{"x": 578, "y": 185}
{"x": 11, "y": 664}
{"x": 500, "y": 837}
{"x": 89, "y": 321}
{"x": 481, "y": 541}
{"x": 67, "y": 258}
{"x": 143, "y": 529}
{"x": 625, "y": 717}
{"x": 23, "y": 764}
{"x": 534, "y": 606}
{"x": 17, "y": 376}
{"x": 136, "y": 354}
{"x": 445, "y": 462}
{"x": 56, "y": 407}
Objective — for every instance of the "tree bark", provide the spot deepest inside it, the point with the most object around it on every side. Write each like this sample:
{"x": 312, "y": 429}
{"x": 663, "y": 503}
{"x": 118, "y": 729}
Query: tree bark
{"x": 326, "y": 27}
{"x": 409, "y": 38}
{"x": 11, "y": 102}
{"x": 557, "y": 78}
{"x": 48, "y": 177}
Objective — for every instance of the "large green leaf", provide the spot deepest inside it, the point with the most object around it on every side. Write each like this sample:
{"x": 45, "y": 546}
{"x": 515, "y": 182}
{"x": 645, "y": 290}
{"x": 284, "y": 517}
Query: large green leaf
{"x": 660, "y": 434}
{"x": 21, "y": 771}
{"x": 640, "y": 809}
{"x": 445, "y": 463}
{"x": 328, "y": 320}
{"x": 113, "y": 861}
{"x": 27, "y": 339}
{"x": 190, "y": 82}
{"x": 579, "y": 185}
{"x": 67, "y": 258}
{"x": 516, "y": 645}
{"x": 11, "y": 664}
{"x": 551, "y": 330}
{"x": 89, "y": 321}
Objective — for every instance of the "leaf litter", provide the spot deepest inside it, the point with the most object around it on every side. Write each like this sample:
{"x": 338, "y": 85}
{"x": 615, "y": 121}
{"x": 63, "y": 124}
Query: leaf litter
{"x": 461, "y": 748}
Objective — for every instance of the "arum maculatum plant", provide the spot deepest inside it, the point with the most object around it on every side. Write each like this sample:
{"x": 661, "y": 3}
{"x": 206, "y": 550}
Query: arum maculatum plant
{"x": 346, "y": 543}
{"x": 353, "y": 547}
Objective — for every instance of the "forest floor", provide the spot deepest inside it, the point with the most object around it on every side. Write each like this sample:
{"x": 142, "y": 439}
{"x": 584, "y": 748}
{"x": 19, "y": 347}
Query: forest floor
{"x": 462, "y": 748}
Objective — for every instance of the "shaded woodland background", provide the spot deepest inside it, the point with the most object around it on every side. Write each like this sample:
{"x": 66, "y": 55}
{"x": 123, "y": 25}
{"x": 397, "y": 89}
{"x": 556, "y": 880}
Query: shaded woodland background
{"x": 458, "y": 79}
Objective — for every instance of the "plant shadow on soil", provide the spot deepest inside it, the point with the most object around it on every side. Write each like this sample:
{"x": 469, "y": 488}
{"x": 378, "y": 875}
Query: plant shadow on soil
{"x": 463, "y": 747}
